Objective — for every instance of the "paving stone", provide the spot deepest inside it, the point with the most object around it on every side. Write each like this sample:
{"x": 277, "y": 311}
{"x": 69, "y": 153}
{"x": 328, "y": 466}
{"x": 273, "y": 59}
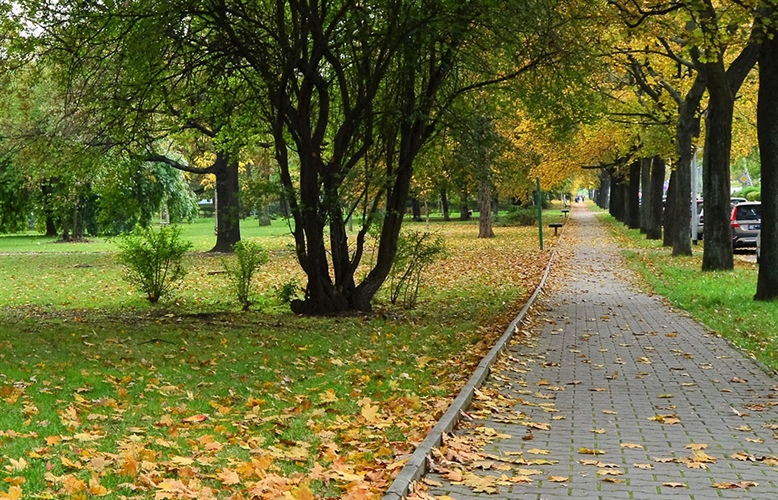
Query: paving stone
{"x": 626, "y": 360}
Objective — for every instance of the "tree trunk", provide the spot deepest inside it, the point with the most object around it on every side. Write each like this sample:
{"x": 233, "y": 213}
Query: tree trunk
{"x": 717, "y": 254}
{"x": 645, "y": 189}
{"x": 51, "y": 227}
{"x": 416, "y": 209}
{"x": 767, "y": 130}
{"x": 723, "y": 84}
{"x": 485, "y": 229}
{"x": 227, "y": 207}
{"x": 668, "y": 213}
{"x": 263, "y": 215}
{"x": 654, "y": 198}
{"x": 603, "y": 194}
{"x": 633, "y": 196}
{"x": 464, "y": 212}
{"x": 444, "y": 205}
{"x": 617, "y": 198}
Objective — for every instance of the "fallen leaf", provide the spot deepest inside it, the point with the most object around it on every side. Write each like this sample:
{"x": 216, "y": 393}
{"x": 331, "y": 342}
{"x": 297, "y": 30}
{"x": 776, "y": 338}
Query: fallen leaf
{"x": 194, "y": 419}
{"x": 228, "y": 477}
{"x": 643, "y": 466}
{"x": 612, "y": 480}
{"x": 559, "y": 479}
{"x": 632, "y": 446}
{"x": 675, "y": 485}
{"x": 588, "y": 451}
{"x": 13, "y": 493}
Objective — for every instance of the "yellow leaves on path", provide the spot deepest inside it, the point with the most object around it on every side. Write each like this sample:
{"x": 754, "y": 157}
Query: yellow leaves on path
{"x": 666, "y": 419}
{"x": 732, "y": 486}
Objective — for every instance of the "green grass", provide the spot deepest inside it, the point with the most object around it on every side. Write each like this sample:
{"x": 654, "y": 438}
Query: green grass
{"x": 95, "y": 383}
{"x": 200, "y": 233}
{"x": 721, "y": 300}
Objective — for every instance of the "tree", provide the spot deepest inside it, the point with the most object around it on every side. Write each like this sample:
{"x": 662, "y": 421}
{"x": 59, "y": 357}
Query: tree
{"x": 355, "y": 91}
{"x": 767, "y": 128}
{"x": 723, "y": 83}
{"x": 148, "y": 91}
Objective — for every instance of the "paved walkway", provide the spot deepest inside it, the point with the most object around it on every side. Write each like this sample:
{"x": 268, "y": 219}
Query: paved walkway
{"x": 616, "y": 395}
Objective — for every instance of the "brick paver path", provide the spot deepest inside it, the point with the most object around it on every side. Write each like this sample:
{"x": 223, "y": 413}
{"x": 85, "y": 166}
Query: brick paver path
{"x": 605, "y": 359}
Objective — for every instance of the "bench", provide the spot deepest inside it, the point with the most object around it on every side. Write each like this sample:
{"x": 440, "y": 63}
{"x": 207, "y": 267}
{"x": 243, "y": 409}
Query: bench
{"x": 556, "y": 226}
{"x": 565, "y": 211}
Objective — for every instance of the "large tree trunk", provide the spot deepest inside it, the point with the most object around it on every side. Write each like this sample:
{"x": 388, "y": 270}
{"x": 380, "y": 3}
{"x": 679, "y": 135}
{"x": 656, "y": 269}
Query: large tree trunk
{"x": 227, "y": 206}
{"x": 633, "y": 196}
{"x": 723, "y": 84}
{"x": 654, "y": 199}
{"x": 717, "y": 254}
{"x": 485, "y": 229}
{"x": 687, "y": 128}
{"x": 767, "y": 130}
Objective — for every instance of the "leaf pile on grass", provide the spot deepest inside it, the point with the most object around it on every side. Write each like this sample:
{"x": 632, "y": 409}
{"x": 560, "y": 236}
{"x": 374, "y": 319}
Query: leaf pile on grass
{"x": 188, "y": 402}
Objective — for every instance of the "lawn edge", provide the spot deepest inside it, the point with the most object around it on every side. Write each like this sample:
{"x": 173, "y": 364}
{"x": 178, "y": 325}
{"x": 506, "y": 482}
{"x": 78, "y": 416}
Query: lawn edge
{"x": 416, "y": 466}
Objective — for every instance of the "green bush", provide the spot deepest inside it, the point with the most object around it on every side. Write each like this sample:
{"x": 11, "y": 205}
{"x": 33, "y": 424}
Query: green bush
{"x": 752, "y": 193}
{"x": 249, "y": 256}
{"x": 289, "y": 291}
{"x": 415, "y": 252}
{"x": 153, "y": 260}
{"x": 521, "y": 216}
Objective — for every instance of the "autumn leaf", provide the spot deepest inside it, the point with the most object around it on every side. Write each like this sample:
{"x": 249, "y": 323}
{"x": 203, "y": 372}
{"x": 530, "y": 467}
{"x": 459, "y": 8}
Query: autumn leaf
{"x": 588, "y": 451}
{"x": 194, "y": 419}
{"x": 632, "y": 446}
{"x": 72, "y": 484}
{"x": 643, "y": 466}
{"x": 328, "y": 396}
{"x": 672, "y": 484}
{"x": 732, "y": 486}
{"x": 559, "y": 479}
{"x": 16, "y": 465}
{"x": 228, "y": 477}
{"x": 13, "y": 493}
{"x": 538, "y": 451}
{"x": 95, "y": 488}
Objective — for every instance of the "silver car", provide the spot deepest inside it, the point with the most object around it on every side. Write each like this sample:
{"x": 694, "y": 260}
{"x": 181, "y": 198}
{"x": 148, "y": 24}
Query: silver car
{"x": 746, "y": 221}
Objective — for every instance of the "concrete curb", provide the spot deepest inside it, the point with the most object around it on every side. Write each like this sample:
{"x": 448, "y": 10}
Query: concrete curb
{"x": 416, "y": 466}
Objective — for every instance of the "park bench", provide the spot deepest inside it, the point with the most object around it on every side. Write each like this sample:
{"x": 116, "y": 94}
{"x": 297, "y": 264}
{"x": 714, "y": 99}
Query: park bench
{"x": 556, "y": 226}
{"x": 565, "y": 211}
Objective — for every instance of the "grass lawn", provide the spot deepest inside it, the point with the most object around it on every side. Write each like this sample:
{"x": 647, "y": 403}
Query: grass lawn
{"x": 102, "y": 394}
{"x": 721, "y": 300}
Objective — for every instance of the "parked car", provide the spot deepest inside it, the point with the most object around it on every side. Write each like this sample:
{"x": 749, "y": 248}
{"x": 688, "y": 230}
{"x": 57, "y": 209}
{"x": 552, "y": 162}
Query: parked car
{"x": 737, "y": 201}
{"x": 759, "y": 246}
{"x": 700, "y": 224}
{"x": 746, "y": 221}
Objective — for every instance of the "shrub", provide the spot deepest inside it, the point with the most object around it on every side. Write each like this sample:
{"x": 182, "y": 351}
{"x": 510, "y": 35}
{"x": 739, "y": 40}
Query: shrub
{"x": 415, "y": 252}
{"x": 289, "y": 291}
{"x": 153, "y": 260}
{"x": 249, "y": 256}
{"x": 521, "y": 216}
